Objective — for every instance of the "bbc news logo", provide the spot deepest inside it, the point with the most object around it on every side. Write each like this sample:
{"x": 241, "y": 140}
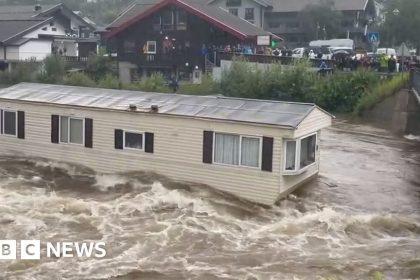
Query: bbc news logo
{"x": 31, "y": 249}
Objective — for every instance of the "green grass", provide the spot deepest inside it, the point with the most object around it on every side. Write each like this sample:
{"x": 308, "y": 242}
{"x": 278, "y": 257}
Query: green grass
{"x": 380, "y": 92}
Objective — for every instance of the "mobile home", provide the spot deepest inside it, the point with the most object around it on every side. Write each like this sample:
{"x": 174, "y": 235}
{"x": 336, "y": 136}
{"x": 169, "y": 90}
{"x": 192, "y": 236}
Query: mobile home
{"x": 255, "y": 149}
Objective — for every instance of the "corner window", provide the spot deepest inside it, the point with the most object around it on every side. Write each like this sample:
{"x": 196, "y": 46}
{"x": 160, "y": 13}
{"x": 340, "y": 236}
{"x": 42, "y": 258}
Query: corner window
{"x": 9, "y": 123}
{"x": 299, "y": 153}
{"x": 233, "y": 12}
{"x": 307, "y": 150}
{"x": 235, "y": 149}
{"x": 249, "y": 14}
{"x": 71, "y": 130}
{"x": 133, "y": 140}
{"x": 151, "y": 47}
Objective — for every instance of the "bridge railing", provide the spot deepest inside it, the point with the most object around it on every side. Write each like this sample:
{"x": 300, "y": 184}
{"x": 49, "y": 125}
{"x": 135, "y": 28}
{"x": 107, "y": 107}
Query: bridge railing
{"x": 415, "y": 83}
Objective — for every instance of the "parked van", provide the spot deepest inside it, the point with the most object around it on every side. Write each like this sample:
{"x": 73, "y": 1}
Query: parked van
{"x": 387, "y": 51}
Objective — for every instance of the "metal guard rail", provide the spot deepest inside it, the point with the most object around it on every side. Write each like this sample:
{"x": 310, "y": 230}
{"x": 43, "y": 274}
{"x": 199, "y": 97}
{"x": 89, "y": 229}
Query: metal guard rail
{"x": 415, "y": 83}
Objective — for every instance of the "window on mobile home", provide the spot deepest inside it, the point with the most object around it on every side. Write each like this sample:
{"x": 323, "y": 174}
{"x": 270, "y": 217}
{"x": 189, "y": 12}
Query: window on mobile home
{"x": 299, "y": 153}
{"x": 133, "y": 140}
{"x": 71, "y": 130}
{"x": 235, "y": 149}
{"x": 9, "y": 123}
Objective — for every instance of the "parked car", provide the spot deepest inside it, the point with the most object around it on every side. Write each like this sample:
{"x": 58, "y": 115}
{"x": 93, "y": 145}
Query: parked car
{"x": 300, "y": 52}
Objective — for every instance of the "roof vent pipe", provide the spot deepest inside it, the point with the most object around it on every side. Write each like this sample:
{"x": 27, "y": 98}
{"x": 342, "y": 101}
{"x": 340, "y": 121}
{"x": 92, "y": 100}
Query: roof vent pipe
{"x": 38, "y": 7}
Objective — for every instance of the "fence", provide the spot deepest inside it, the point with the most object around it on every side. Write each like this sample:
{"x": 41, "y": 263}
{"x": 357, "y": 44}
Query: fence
{"x": 415, "y": 83}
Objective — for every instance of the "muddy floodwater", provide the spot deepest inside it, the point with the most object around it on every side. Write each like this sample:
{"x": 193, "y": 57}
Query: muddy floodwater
{"x": 360, "y": 216}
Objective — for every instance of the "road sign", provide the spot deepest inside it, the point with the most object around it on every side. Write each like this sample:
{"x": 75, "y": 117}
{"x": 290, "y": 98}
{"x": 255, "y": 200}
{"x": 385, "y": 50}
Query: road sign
{"x": 373, "y": 37}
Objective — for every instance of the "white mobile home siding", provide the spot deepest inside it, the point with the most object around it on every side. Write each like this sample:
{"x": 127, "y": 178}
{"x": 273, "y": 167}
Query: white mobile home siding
{"x": 314, "y": 122}
{"x": 178, "y": 148}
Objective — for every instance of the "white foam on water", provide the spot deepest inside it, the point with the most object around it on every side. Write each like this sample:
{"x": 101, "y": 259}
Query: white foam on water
{"x": 412, "y": 137}
{"x": 105, "y": 182}
{"x": 178, "y": 231}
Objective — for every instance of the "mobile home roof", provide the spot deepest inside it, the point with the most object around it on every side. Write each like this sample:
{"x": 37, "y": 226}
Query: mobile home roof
{"x": 284, "y": 114}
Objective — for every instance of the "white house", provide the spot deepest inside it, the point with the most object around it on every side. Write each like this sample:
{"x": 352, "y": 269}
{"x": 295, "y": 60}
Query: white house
{"x": 33, "y": 32}
{"x": 255, "y": 149}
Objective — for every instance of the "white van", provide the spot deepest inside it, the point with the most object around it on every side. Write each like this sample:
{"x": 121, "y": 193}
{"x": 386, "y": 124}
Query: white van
{"x": 387, "y": 51}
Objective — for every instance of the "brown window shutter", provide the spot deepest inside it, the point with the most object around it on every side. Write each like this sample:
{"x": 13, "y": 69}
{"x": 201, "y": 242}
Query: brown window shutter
{"x": 88, "y": 133}
{"x": 267, "y": 154}
{"x": 21, "y": 125}
{"x": 55, "y": 124}
{"x": 1, "y": 121}
{"x": 118, "y": 139}
{"x": 208, "y": 147}
{"x": 149, "y": 139}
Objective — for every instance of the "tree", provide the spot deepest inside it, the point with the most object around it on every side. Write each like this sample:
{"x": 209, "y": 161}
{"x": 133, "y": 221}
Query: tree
{"x": 402, "y": 21}
{"x": 320, "y": 21}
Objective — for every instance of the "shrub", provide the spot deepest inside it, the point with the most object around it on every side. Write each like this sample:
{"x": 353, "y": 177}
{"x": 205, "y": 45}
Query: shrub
{"x": 98, "y": 65}
{"x": 153, "y": 83}
{"x": 207, "y": 87}
{"x": 380, "y": 92}
{"x": 79, "y": 79}
{"x": 22, "y": 72}
{"x": 241, "y": 80}
{"x": 52, "y": 70}
{"x": 341, "y": 92}
{"x": 110, "y": 81}
{"x": 296, "y": 82}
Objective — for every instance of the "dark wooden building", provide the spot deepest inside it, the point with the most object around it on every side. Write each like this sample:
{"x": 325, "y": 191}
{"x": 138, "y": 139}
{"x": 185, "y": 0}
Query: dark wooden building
{"x": 177, "y": 37}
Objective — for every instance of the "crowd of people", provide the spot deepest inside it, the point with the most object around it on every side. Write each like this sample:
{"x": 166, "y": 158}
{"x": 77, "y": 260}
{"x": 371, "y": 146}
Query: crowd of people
{"x": 344, "y": 60}
{"x": 380, "y": 63}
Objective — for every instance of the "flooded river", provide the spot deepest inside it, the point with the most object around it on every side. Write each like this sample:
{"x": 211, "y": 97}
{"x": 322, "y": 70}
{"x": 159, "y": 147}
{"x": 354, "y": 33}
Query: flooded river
{"x": 360, "y": 216}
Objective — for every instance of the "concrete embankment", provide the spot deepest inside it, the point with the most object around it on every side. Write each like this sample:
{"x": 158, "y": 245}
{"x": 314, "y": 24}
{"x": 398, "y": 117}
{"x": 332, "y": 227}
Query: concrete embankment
{"x": 400, "y": 113}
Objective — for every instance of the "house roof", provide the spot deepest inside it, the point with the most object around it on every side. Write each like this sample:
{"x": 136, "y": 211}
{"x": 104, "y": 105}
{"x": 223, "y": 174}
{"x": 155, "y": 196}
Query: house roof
{"x": 133, "y": 10}
{"x": 10, "y": 29}
{"x": 234, "y": 25}
{"x": 284, "y": 114}
{"x": 264, "y": 3}
{"x": 22, "y": 12}
{"x": 299, "y": 5}
{"x": 16, "y": 21}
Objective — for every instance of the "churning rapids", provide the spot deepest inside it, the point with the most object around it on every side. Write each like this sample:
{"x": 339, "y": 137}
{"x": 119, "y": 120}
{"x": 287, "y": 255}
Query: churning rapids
{"x": 360, "y": 216}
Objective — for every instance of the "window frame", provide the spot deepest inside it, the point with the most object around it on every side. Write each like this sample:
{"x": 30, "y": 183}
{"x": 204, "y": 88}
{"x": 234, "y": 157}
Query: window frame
{"x": 298, "y": 170}
{"x": 16, "y": 123}
{"x": 236, "y": 14}
{"x": 150, "y": 43}
{"x": 68, "y": 130}
{"x": 260, "y": 139}
{"x": 143, "y": 133}
{"x": 251, "y": 20}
